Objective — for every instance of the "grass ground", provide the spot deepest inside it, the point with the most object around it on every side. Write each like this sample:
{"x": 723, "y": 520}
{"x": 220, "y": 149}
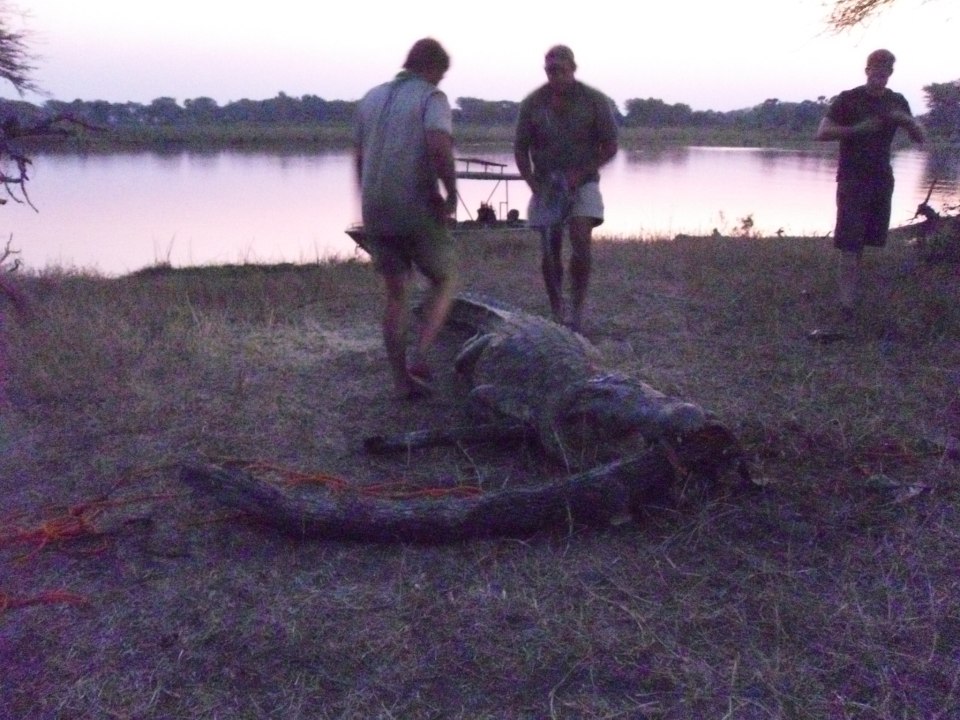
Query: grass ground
{"x": 831, "y": 592}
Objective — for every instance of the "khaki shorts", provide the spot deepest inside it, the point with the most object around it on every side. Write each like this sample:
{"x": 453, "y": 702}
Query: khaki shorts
{"x": 432, "y": 252}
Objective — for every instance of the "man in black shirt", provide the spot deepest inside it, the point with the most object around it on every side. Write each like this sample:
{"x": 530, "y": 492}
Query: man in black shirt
{"x": 864, "y": 120}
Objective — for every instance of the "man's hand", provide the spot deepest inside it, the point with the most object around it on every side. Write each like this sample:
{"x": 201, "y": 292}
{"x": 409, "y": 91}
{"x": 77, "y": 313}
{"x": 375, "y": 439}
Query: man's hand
{"x": 450, "y": 205}
{"x": 573, "y": 177}
{"x": 869, "y": 125}
{"x": 908, "y": 123}
{"x": 444, "y": 209}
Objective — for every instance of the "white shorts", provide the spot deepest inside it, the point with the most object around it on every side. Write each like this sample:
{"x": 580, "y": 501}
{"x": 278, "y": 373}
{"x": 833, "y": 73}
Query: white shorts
{"x": 587, "y": 202}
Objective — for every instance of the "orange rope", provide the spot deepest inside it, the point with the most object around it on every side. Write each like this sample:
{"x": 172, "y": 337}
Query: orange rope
{"x": 399, "y": 491}
{"x": 76, "y": 524}
{"x": 57, "y": 529}
{"x": 8, "y": 602}
{"x": 289, "y": 476}
{"x": 393, "y": 491}
{"x": 78, "y": 521}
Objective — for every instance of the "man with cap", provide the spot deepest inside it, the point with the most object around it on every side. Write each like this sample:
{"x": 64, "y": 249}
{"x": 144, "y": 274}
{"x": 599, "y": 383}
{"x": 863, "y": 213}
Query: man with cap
{"x": 864, "y": 121}
{"x": 565, "y": 133}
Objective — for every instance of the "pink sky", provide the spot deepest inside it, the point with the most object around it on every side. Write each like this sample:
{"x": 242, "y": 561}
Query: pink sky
{"x": 717, "y": 56}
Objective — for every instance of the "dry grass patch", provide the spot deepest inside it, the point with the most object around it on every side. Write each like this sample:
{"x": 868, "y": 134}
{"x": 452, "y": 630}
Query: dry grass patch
{"x": 831, "y": 591}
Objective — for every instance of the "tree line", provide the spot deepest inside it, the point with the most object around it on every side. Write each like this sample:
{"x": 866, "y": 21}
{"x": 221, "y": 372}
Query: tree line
{"x": 942, "y": 119}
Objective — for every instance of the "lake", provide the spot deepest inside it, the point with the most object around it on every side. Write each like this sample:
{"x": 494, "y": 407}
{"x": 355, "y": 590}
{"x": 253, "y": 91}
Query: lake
{"x": 121, "y": 212}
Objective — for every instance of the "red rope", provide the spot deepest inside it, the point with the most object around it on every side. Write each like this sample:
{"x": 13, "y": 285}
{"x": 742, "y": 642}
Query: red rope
{"x": 50, "y": 597}
{"x": 76, "y": 524}
{"x": 393, "y": 490}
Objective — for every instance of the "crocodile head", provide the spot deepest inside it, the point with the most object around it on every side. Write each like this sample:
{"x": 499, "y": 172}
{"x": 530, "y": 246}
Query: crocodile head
{"x": 610, "y": 417}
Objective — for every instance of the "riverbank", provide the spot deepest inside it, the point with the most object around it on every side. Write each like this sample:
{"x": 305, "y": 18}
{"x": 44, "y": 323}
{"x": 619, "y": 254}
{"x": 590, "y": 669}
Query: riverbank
{"x": 298, "y": 138}
{"x": 279, "y": 138}
{"x": 830, "y": 591}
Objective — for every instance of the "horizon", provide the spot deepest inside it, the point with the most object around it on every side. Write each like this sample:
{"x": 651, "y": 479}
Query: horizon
{"x": 453, "y": 101}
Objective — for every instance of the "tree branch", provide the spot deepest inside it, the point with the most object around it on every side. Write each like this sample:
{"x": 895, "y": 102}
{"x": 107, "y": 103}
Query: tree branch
{"x": 12, "y": 130}
{"x": 847, "y": 14}
{"x": 16, "y": 61}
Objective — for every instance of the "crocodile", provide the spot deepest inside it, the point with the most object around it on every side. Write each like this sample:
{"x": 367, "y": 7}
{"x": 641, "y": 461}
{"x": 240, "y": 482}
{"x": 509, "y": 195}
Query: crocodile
{"x": 525, "y": 369}
{"x": 623, "y": 444}
{"x": 531, "y": 377}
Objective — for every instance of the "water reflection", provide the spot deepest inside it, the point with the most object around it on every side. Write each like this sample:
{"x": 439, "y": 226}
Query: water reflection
{"x": 121, "y": 212}
{"x": 656, "y": 155}
{"x": 942, "y": 173}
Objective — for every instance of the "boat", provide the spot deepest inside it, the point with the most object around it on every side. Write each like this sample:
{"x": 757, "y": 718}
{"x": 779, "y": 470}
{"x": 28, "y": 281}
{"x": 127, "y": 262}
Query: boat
{"x": 488, "y": 217}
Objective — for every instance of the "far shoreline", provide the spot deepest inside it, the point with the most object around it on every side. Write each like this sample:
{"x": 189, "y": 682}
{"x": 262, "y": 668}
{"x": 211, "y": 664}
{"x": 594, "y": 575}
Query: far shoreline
{"x": 271, "y": 137}
{"x": 327, "y": 137}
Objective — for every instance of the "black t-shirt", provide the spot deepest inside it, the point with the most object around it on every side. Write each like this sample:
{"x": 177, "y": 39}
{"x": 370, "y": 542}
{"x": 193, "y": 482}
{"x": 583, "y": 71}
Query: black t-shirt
{"x": 866, "y": 154}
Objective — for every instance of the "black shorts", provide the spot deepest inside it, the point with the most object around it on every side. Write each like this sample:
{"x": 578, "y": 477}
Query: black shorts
{"x": 863, "y": 213}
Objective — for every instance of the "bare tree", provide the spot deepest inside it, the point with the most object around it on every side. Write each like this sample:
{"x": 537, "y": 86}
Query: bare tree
{"x": 14, "y": 164}
{"x": 16, "y": 122}
{"x": 16, "y": 61}
{"x": 16, "y": 67}
{"x": 847, "y": 14}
